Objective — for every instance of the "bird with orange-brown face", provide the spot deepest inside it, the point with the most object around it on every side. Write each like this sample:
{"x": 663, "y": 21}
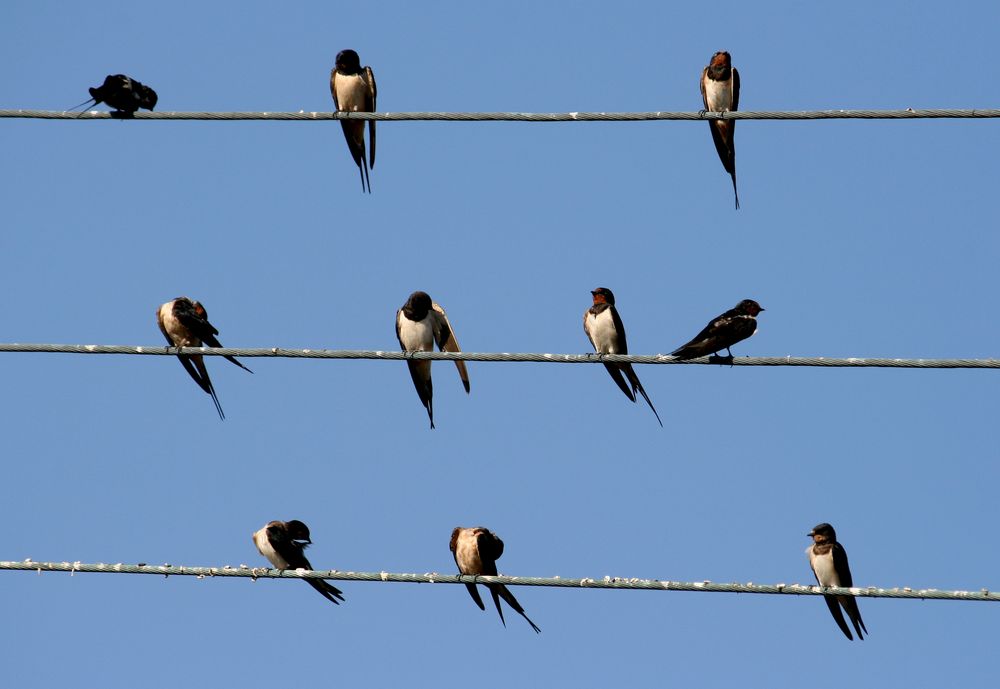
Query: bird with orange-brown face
{"x": 828, "y": 561}
{"x": 605, "y": 330}
{"x": 720, "y": 92}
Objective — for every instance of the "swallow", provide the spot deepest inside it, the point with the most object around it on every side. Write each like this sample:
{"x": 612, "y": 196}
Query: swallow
{"x": 353, "y": 89}
{"x": 606, "y": 332}
{"x": 124, "y": 94}
{"x": 725, "y": 330}
{"x": 476, "y": 553}
{"x": 720, "y": 92}
{"x": 828, "y": 560}
{"x": 419, "y": 324}
{"x": 185, "y": 324}
{"x": 283, "y": 544}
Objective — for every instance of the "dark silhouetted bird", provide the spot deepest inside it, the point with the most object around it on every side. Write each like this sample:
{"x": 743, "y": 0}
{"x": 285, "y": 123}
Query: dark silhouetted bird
{"x": 124, "y": 95}
{"x": 736, "y": 324}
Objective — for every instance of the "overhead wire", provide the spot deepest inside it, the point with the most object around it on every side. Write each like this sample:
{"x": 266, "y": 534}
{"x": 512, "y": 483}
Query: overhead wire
{"x": 315, "y": 116}
{"x": 276, "y": 352}
{"x": 590, "y": 358}
{"x": 606, "y": 582}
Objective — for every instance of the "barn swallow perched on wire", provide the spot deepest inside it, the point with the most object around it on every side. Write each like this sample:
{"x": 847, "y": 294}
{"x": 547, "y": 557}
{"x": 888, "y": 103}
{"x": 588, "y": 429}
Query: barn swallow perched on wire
{"x": 476, "y": 552}
{"x": 185, "y": 324}
{"x": 283, "y": 544}
{"x": 735, "y": 325}
{"x": 720, "y": 92}
{"x": 123, "y": 94}
{"x": 828, "y": 560}
{"x": 353, "y": 89}
{"x": 419, "y": 324}
{"x": 606, "y": 332}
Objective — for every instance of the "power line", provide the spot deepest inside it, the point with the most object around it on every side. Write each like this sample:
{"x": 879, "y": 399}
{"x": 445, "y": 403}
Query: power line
{"x": 282, "y": 353}
{"x": 303, "y": 116}
{"x": 622, "y": 583}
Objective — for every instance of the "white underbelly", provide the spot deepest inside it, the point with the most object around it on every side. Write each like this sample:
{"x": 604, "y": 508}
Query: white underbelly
{"x": 826, "y": 574}
{"x": 602, "y": 331}
{"x": 719, "y": 95}
{"x": 351, "y": 92}
{"x": 416, "y": 336}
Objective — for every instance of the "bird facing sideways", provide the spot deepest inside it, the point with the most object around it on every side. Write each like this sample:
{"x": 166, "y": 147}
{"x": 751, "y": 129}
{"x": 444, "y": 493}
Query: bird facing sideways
{"x": 283, "y": 544}
{"x": 421, "y": 323}
{"x": 184, "y": 323}
{"x": 353, "y": 89}
{"x": 123, "y": 94}
{"x": 476, "y": 552}
{"x": 723, "y": 331}
{"x": 606, "y": 332}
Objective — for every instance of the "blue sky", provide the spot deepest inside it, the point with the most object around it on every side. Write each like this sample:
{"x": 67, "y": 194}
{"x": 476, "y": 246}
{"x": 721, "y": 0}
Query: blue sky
{"x": 859, "y": 238}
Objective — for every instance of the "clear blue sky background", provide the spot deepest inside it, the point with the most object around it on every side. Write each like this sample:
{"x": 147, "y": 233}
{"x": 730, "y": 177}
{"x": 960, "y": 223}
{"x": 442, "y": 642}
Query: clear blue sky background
{"x": 860, "y": 239}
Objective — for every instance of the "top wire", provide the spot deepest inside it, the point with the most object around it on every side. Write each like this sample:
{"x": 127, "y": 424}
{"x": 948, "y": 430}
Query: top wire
{"x": 907, "y": 114}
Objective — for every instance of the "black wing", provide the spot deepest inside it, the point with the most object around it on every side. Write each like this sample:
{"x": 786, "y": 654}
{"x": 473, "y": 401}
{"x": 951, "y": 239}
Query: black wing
{"x": 293, "y": 553}
{"x": 425, "y": 388}
{"x": 616, "y": 375}
{"x": 620, "y": 329}
{"x": 490, "y": 549}
{"x": 447, "y": 342}
{"x": 200, "y": 376}
{"x": 633, "y": 379}
{"x": 637, "y": 387}
{"x": 327, "y": 590}
{"x": 722, "y": 331}
{"x": 213, "y": 341}
{"x": 187, "y": 314}
{"x": 199, "y": 325}
{"x": 512, "y": 602}
{"x": 370, "y": 76}
{"x": 838, "y": 616}
{"x": 474, "y": 592}
{"x": 850, "y": 603}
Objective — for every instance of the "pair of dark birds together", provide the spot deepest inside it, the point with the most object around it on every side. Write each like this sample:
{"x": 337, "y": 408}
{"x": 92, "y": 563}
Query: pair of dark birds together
{"x": 421, "y": 323}
{"x": 476, "y": 551}
{"x": 353, "y": 88}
